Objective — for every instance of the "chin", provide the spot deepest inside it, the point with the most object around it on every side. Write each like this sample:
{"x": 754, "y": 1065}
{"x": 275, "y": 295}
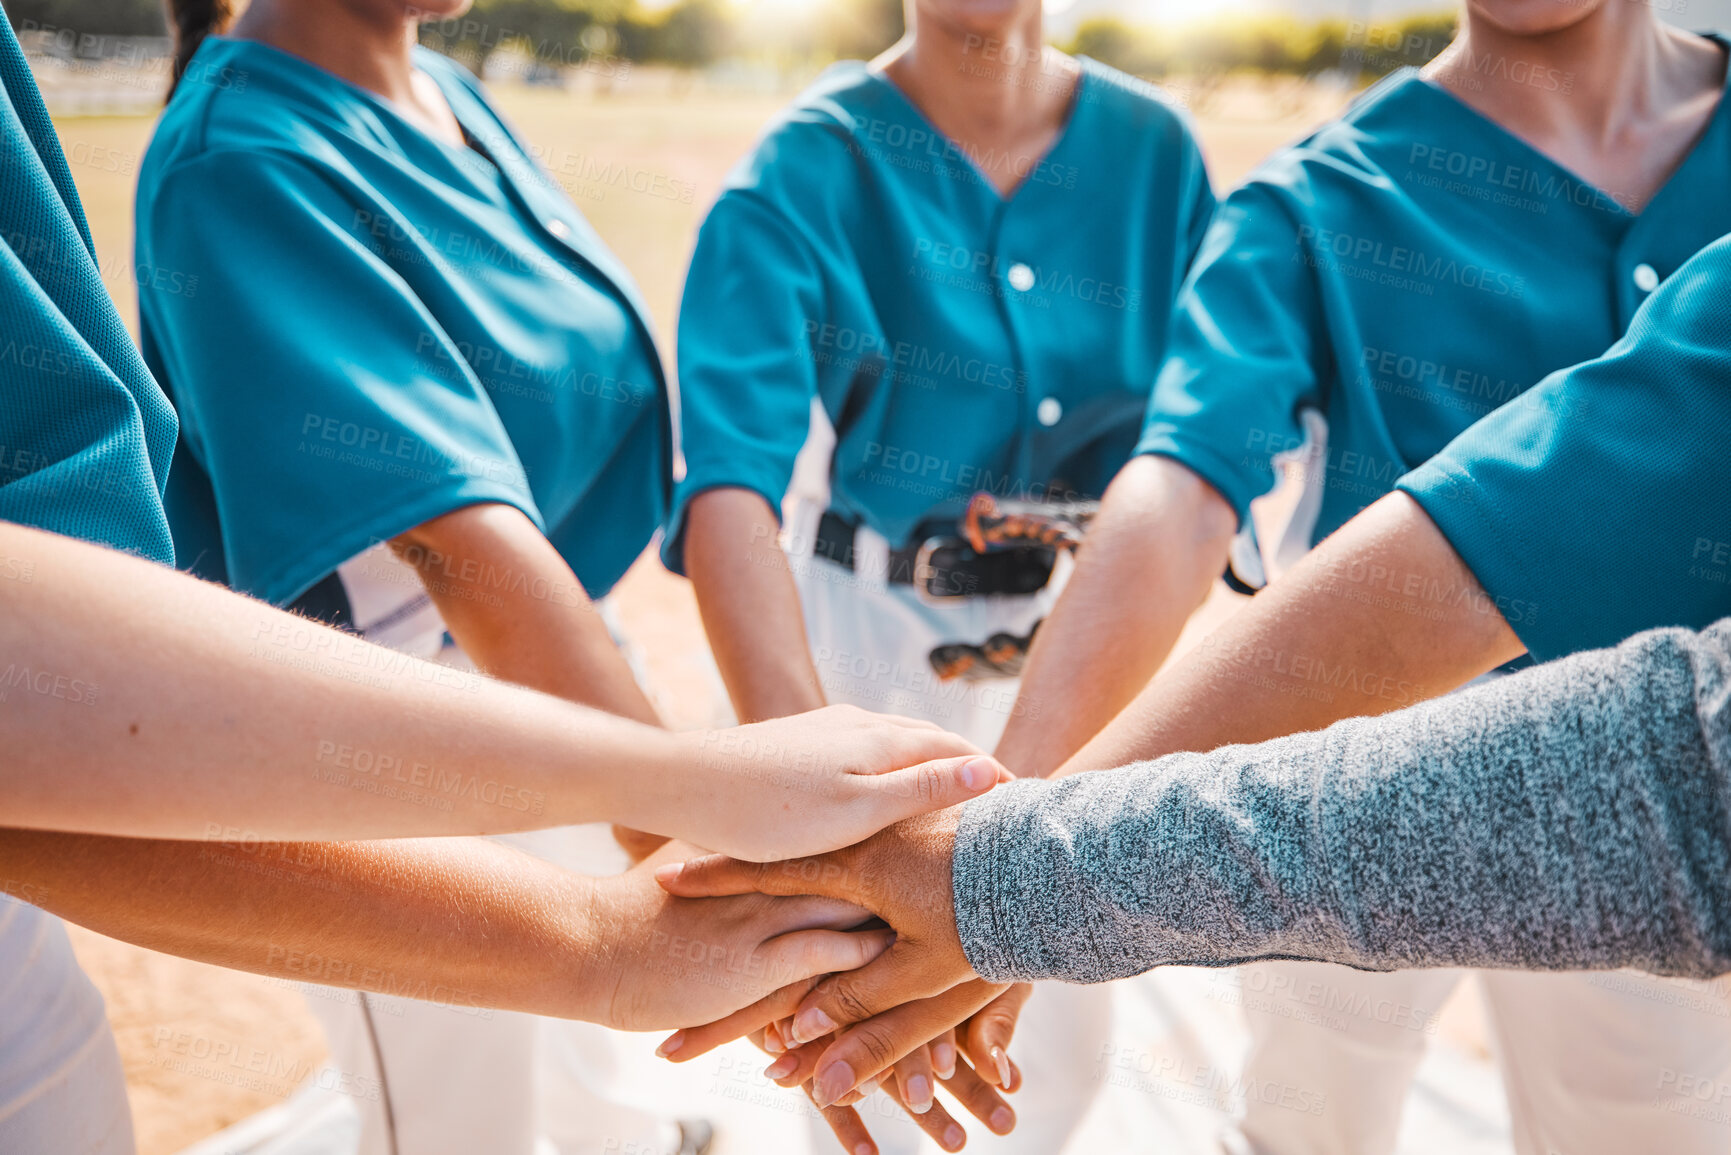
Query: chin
{"x": 980, "y": 17}
{"x": 434, "y": 11}
{"x": 1533, "y": 17}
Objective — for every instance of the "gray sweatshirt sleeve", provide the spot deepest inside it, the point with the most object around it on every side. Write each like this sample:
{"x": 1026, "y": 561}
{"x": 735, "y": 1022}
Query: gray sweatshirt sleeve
{"x": 1573, "y": 816}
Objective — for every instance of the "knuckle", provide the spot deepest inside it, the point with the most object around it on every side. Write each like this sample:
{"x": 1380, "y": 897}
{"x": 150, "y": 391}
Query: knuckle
{"x": 876, "y": 1045}
{"x": 848, "y": 1006}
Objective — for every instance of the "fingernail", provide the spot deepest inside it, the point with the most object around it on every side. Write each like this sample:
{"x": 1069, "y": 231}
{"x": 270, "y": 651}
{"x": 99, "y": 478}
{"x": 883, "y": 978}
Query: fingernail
{"x": 833, "y": 1082}
{"x": 865, "y": 1149}
{"x": 953, "y": 1137}
{"x": 919, "y": 1094}
{"x": 1003, "y": 1121}
{"x": 1002, "y": 1062}
{"x": 671, "y": 1044}
{"x": 978, "y": 773}
{"x": 944, "y": 1060}
{"x": 669, "y": 874}
{"x": 781, "y": 1068}
{"x": 772, "y": 1040}
{"x": 810, "y": 1024}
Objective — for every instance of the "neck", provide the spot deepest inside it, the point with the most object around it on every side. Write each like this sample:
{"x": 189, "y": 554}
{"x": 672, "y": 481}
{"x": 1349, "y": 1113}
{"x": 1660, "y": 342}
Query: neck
{"x": 983, "y": 81}
{"x": 368, "y": 49}
{"x": 1591, "y": 79}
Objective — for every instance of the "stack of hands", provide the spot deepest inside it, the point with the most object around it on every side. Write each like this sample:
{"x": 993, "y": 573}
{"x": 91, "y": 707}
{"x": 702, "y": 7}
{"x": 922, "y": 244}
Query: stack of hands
{"x": 912, "y": 1018}
{"x": 867, "y": 983}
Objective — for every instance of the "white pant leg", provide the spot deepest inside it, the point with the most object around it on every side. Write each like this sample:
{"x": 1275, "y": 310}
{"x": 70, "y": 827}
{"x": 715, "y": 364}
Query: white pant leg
{"x": 453, "y": 1079}
{"x": 62, "y": 1091}
{"x": 1608, "y": 1063}
{"x": 871, "y": 644}
{"x": 462, "y": 1079}
{"x": 1332, "y": 1054}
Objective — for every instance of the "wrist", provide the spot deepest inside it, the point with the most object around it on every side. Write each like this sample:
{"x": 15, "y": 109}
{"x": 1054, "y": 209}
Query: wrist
{"x": 578, "y": 969}
{"x": 775, "y": 685}
{"x": 657, "y": 781}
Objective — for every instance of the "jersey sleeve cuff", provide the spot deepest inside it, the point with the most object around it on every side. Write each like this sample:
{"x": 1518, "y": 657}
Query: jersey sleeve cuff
{"x": 283, "y": 584}
{"x": 699, "y": 481}
{"x": 1233, "y": 481}
{"x": 1467, "y": 515}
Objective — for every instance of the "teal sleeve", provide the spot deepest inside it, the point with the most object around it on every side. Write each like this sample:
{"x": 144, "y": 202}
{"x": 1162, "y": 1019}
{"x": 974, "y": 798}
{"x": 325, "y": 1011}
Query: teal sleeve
{"x": 85, "y": 434}
{"x": 1597, "y": 504}
{"x": 76, "y": 434}
{"x": 327, "y": 407}
{"x": 1203, "y": 203}
{"x": 747, "y": 363}
{"x": 1241, "y": 359}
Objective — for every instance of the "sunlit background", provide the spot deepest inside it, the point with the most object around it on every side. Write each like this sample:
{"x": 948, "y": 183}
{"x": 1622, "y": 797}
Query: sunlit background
{"x": 544, "y": 39}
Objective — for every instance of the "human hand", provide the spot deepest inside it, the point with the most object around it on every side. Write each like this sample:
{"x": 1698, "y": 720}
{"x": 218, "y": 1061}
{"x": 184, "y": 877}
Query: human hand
{"x": 651, "y": 960}
{"x": 978, "y": 1043}
{"x": 911, "y": 1086}
{"x": 972, "y": 1069}
{"x": 915, "y": 1094}
{"x": 753, "y": 791}
{"x": 903, "y": 876}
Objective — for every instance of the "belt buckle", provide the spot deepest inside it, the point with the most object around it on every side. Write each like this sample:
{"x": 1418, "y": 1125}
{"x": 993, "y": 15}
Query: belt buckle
{"x": 925, "y": 572}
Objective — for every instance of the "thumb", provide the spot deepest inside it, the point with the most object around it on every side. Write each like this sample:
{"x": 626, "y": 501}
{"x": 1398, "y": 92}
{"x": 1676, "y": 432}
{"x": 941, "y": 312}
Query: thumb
{"x": 932, "y": 786}
{"x": 712, "y": 876}
{"x": 808, "y": 953}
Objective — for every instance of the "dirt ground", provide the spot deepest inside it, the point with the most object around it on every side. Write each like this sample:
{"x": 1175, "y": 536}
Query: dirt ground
{"x": 167, "y": 1011}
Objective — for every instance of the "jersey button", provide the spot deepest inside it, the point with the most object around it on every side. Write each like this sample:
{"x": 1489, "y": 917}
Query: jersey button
{"x": 1050, "y": 411}
{"x": 1021, "y": 277}
{"x": 558, "y": 228}
{"x": 1646, "y": 277}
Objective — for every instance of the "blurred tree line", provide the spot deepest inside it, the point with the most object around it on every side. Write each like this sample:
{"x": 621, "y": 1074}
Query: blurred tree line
{"x": 1272, "y": 44}
{"x": 91, "y": 17}
{"x": 685, "y": 34}
{"x": 697, "y": 33}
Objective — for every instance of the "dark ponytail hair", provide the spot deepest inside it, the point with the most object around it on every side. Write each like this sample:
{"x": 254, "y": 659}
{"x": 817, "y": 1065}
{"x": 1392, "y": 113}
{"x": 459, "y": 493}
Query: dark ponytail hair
{"x": 191, "y": 21}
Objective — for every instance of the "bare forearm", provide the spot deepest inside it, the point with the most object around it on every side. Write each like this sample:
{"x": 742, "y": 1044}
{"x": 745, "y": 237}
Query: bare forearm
{"x": 518, "y": 611}
{"x": 459, "y": 921}
{"x": 1153, "y": 553}
{"x": 750, "y": 606}
{"x": 140, "y": 702}
{"x": 1382, "y": 615}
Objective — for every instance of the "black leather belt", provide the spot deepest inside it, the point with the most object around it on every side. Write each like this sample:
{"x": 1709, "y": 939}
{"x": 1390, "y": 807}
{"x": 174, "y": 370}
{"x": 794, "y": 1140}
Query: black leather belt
{"x": 940, "y": 564}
